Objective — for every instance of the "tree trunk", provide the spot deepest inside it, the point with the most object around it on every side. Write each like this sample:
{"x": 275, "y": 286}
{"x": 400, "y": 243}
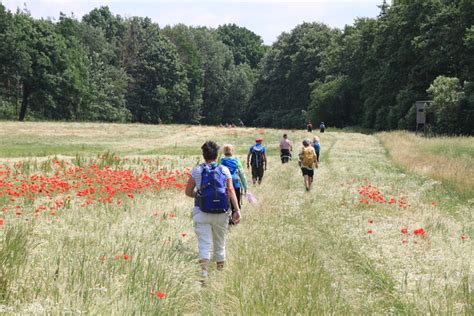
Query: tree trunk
{"x": 24, "y": 102}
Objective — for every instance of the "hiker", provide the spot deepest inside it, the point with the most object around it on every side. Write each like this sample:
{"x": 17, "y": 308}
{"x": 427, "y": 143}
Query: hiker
{"x": 238, "y": 176}
{"x": 309, "y": 127}
{"x": 257, "y": 157}
{"x": 285, "y": 149}
{"x": 211, "y": 186}
{"x": 241, "y": 123}
{"x": 316, "y": 146}
{"x": 307, "y": 162}
{"x": 322, "y": 127}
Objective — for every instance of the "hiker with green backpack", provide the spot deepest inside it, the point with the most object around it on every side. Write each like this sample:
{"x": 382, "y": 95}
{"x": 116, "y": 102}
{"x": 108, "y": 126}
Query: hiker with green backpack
{"x": 211, "y": 187}
{"x": 257, "y": 157}
{"x": 238, "y": 176}
{"x": 308, "y": 161}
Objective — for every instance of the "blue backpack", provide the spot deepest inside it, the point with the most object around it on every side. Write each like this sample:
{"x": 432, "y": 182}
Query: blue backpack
{"x": 212, "y": 195}
{"x": 233, "y": 166}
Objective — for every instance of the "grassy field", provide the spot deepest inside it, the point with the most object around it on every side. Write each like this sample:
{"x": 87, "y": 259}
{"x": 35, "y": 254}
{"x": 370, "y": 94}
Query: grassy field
{"x": 353, "y": 245}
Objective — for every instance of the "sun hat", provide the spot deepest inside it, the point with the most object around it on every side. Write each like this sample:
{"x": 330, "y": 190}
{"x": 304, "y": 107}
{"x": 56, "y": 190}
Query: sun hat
{"x": 259, "y": 139}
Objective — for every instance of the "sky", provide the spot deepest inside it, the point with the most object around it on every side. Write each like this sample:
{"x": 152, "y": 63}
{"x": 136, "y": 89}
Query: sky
{"x": 267, "y": 18}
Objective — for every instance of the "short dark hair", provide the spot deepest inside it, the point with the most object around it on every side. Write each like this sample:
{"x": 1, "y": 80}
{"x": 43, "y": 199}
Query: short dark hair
{"x": 285, "y": 136}
{"x": 210, "y": 150}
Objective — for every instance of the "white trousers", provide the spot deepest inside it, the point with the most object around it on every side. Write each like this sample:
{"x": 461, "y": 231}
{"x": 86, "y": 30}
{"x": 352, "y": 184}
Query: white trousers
{"x": 211, "y": 229}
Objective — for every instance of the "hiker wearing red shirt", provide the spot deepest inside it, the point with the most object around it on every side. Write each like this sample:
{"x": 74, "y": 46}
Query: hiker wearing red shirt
{"x": 309, "y": 127}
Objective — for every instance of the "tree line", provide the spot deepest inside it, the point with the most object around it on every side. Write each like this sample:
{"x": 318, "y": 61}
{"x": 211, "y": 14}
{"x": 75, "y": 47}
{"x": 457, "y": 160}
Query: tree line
{"x": 105, "y": 67}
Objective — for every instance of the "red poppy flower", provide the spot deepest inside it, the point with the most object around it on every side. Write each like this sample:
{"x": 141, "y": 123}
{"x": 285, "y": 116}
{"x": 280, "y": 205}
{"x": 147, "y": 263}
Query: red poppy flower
{"x": 1, "y": 222}
{"x": 371, "y": 221}
{"x": 125, "y": 256}
{"x": 370, "y": 231}
{"x": 160, "y": 294}
{"x": 404, "y": 231}
{"x": 463, "y": 237}
{"x": 419, "y": 232}
{"x": 183, "y": 234}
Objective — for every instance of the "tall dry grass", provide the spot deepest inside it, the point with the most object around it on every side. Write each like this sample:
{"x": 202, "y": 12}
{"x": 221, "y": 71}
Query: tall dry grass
{"x": 294, "y": 252}
{"x": 447, "y": 159}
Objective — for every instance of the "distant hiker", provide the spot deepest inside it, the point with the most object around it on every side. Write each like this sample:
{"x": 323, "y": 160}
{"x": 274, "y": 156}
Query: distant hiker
{"x": 241, "y": 123}
{"x": 285, "y": 149}
{"x": 237, "y": 172}
{"x": 213, "y": 184}
{"x": 309, "y": 127}
{"x": 316, "y": 146}
{"x": 257, "y": 157}
{"x": 307, "y": 162}
{"x": 322, "y": 127}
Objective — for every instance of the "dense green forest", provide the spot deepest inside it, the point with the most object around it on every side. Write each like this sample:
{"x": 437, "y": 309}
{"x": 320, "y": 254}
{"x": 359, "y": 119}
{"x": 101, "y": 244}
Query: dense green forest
{"x": 105, "y": 67}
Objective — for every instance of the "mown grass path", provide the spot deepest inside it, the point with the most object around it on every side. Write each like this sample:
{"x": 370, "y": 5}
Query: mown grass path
{"x": 299, "y": 252}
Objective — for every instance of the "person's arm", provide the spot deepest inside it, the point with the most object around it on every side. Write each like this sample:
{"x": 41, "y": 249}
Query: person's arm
{"x": 233, "y": 200}
{"x": 190, "y": 188}
{"x": 243, "y": 179}
{"x": 248, "y": 159}
{"x": 265, "y": 159}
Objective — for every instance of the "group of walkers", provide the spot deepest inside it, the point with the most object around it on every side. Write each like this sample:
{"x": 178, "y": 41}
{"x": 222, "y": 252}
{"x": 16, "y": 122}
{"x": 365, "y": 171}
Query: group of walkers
{"x": 308, "y": 157}
{"x": 309, "y": 127}
{"x": 217, "y": 187}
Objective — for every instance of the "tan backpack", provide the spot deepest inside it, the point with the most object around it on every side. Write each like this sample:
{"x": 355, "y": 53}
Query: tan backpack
{"x": 308, "y": 157}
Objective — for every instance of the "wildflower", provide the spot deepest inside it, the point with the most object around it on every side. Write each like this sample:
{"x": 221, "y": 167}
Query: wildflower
{"x": 371, "y": 221}
{"x": 117, "y": 257}
{"x": 370, "y": 231}
{"x": 404, "y": 230}
{"x": 101, "y": 259}
{"x": 463, "y": 237}
{"x": 1, "y": 222}
{"x": 404, "y": 241}
{"x": 419, "y": 232}
{"x": 160, "y": 294}
{"x": 434, "y": 203}
{"x": 125, "y": 256}
{"x": 183, "y": 234}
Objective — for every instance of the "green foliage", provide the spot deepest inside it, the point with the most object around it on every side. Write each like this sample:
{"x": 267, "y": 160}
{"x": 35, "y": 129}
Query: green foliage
{"x": 447, "y": 95}
{"x": 158, "y": 85}
{"x": 109, "y": 68}
{"x": 282, "y": 90}
{"x": 246, "y": 46}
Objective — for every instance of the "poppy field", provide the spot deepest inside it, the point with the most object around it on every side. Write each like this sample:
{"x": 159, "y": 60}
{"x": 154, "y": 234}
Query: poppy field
{"x": 93, "y": 219}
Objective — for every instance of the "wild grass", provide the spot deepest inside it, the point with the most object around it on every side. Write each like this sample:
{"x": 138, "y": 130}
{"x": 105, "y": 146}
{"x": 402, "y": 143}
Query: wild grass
{"x": 446, "y": 159}
{"x": 294, "y": 252}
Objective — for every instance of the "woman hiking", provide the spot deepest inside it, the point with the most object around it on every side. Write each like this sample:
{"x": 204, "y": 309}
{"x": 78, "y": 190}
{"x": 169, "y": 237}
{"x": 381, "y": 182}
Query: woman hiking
{"x": 307, "y": 162}
{"x": 211, "y": 187}
{"x": 257, "y": 157}
{"x": 237, "y": 171}
{"x": 285, "y": 149}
